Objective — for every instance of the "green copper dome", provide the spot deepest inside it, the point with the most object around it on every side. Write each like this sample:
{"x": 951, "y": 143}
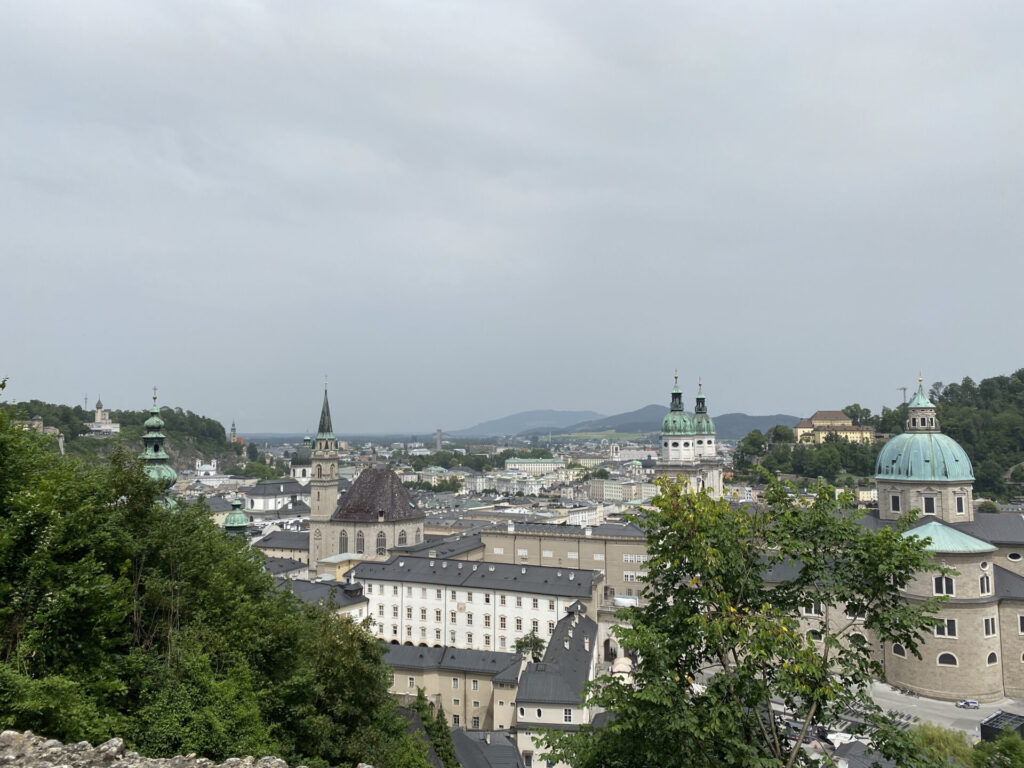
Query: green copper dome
{"x": 677, "y": 423}
{"x": 236, "y": 521}
{"x": 702, "y": 423}
{"x": 924, "y": 457}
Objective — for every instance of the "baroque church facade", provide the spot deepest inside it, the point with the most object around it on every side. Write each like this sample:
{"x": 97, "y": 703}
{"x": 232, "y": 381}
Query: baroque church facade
{"x": 689, "y": 446}
{"x": 373, "y": 516}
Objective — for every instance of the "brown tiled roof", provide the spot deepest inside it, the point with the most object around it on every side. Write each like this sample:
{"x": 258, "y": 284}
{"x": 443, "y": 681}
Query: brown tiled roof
{"x": 829, "y": 416}
{"x": 803, "y": 424}
{"x": 377, "y": 490}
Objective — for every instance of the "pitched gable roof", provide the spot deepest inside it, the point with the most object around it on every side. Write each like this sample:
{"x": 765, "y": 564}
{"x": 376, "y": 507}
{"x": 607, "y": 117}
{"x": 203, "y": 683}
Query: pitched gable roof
{"x": 377, "y": 491}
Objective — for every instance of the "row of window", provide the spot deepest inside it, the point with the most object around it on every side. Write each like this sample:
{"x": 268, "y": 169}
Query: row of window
{"x": 946, "y": 659}
{"x": 686, "y": 443}
{"x": 453, "y": 618}
{"x": 382, "y": 541}
{"x": 946, "y": 585}
{"x": 535, "y": 602}
{"x": 928, "y": 503}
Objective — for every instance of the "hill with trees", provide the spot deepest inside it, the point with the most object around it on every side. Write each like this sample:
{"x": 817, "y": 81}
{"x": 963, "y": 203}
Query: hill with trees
{"x": 122, "y": 617}
{"x": 986, "y": 418}
{"x": 189, "y": 435}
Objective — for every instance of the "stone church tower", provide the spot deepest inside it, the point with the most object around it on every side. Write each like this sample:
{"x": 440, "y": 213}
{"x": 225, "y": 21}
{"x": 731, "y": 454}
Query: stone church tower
{"x": 323, "y": 485}
{"x": 688, "y": 446}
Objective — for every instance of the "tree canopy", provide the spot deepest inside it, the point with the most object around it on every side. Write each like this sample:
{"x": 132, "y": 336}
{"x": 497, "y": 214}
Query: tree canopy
{"x": 121, "y": 617}
{"x": 757, "y": 604}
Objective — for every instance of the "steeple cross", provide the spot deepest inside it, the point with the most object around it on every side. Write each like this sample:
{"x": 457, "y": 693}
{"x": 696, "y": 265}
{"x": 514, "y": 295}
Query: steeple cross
{"x": 154, "y": 395}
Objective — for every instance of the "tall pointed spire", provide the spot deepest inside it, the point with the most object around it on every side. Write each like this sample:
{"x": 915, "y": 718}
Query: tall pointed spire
{"x": 326, "y": 431}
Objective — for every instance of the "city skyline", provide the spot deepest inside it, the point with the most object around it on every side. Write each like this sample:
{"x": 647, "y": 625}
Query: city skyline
{"x": 459, "y": 212}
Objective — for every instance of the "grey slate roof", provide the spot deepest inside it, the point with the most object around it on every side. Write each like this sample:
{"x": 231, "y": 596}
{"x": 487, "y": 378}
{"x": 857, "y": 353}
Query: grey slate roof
{"x": 377, "y": 490}
{"x": 322, "y": 592}
{"x": 996, "y": 528}
{"x": 485, "y": 749}
{"x": 217, "y": 504}
{"x": 457, "y": 659}
{"x": 561, "y": 582}
{"x": 860, "y": 755}
{"x": 284, "y": 540}
{"x": 283, "y": 487}
{"x": 277, "y": 566}
{"x": 560, "y": 677}
{"x": 604, "y": 529}
{"x": 448, "y": 546}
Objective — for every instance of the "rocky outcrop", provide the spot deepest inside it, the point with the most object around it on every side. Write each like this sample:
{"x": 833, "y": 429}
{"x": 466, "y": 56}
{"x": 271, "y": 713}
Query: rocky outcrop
{"x": 26, "y": 750}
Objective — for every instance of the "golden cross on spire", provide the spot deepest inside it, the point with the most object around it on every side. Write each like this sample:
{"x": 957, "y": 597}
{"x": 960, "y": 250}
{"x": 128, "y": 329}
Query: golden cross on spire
{"x": 154, "y": 394}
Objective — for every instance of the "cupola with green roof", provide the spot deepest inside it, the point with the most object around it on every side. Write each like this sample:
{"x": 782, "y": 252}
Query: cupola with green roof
{"x": 677, "y": 421}
{"x": 237, "y": 522}
{"x": 702, "y": 423}
{"x": 924, "y": 469}
{"x": 157, "y": 462}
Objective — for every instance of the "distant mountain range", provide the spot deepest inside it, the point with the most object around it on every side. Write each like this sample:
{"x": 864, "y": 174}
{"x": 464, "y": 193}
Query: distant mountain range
{"x": 527, "y": 420}
{"x": 728, "y": 426}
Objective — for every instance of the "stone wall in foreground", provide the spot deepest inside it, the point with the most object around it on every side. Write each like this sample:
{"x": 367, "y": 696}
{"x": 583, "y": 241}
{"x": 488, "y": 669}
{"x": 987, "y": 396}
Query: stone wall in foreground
{"x": 26, "y": 750}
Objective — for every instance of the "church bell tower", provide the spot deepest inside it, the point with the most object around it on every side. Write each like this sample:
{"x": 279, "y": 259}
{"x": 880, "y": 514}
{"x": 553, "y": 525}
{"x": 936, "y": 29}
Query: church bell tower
{"x": 323, "y": 487}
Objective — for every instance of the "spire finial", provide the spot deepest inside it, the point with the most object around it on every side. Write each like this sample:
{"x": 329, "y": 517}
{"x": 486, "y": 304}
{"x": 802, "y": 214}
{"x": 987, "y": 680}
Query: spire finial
{"x": 677, "y": 377}
{"x": 325, "y": 382}
{"x": 154, "y": 395}
{"x": 920, "y": 378}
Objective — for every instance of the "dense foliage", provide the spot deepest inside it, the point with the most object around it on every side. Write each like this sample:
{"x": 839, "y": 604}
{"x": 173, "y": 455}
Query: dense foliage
{"x": 183, "y": 428}
{"x": 987, "y": 419}
{"x": 728, "y": 589}
{"x": 950, "y": 747}
{"x": 121, "y": 617}
{"x": 830, "y": 460}
{"x": 450, "y": 485}
{"x": 436, "y": 726}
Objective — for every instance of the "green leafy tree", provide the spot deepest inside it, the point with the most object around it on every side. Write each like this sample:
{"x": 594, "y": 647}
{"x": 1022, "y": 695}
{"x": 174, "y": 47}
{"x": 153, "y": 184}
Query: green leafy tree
{"x": 1007, "y": 751}
{"x": 725, "y": 592}
{"x": 858, "y": 415}
{"x": 252, "y": 453}
{"x": 119, "y": 616}
{"x": 780, "y": 433}
{"x": 532, "y": 645}
{"x": 942, "y": 744}
{"x": 987, "y": 507}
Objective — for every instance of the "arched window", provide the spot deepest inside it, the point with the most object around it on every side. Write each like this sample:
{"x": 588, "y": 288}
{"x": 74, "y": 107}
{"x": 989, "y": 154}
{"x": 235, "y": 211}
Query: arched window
{"x": 898, "y": 650}
{"x": 343, "y": 542}
{"x": 401, "y": 538}
{"x": 382, "y": 544}
{"x": 947, "y": 660}
{"x": 992, "y": 659}
{"x": 317, "y": 536}
{"x": 419, "y": 537}
{"x": 319, "y": 471}
{"x": 360, "y": 543}
{"x": 985, "y": 584}
{"x": 303, "y": 473}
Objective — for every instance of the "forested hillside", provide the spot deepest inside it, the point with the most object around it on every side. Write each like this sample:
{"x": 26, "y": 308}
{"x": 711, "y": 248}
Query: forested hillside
{"x": 119, "y": 617}
{"x": 987, "y": 419}
{"x": 189, "y": 435}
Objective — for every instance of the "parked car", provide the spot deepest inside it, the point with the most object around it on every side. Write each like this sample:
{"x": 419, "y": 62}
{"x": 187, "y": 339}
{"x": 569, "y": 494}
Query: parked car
{"x": 967, "y": 703}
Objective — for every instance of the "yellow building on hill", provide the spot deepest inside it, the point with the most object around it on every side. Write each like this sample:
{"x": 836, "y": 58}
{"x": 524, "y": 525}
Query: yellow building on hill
{"x": 824, "y": 423}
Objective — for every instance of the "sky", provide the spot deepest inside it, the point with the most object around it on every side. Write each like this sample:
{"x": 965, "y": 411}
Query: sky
{"x": 459, "y": 210}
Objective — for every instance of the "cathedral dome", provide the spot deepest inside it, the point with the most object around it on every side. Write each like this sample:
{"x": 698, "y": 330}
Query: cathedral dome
{"x": 923, "y": 456}
{"x": 677, "y": 423}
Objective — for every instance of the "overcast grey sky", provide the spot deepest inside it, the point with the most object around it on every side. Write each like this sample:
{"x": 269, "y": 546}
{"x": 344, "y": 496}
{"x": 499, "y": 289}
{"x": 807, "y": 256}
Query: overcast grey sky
{"x": 462, "y": 210}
